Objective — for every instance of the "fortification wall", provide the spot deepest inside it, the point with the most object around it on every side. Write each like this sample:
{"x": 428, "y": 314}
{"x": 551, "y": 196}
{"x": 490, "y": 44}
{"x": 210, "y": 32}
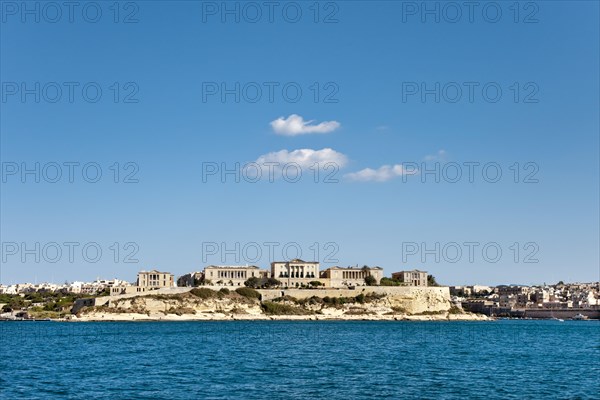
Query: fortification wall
{"x": 561, "y": 313}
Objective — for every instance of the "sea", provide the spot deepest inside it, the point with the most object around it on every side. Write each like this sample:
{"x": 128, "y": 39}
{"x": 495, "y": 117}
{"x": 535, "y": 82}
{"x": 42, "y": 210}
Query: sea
{"x": 504, "y": 359}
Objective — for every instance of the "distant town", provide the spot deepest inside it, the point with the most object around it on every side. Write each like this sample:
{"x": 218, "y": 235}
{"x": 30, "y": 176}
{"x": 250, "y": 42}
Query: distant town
{"x": 542, "y": 301}
{"x": 519, "y": 301}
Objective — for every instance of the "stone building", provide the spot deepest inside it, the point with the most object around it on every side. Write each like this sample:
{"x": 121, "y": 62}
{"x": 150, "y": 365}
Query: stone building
{"x": 412, "y": 278}
{"x": 146, "y": 281}
{"x": 338, "y": 277}
{"x": 117, "y": 290}
{"x": 155, "y": 279}
{"x": 295, "y": 272}
{"x": 233, "y": 275}
{"x": 511, "y": 289}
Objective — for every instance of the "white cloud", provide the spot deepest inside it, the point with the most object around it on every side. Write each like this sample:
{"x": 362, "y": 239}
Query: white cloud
{"x": 305, "y": 158}
{"x": 381, "y": 174}
{"x": 295, "y": 125}
{"x": 439, "y": 156}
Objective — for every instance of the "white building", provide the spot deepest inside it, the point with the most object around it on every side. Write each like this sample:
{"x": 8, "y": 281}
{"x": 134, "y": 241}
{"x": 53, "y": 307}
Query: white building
{"x": 412, "y": 278}
{"x": 295, "y": 272}
{"x": 233, "y": 275}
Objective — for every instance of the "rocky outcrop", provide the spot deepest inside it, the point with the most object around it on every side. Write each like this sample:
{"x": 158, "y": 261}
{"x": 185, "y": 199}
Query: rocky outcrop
{"x": 206, "y": 304}
{"x": 420, "y": 300}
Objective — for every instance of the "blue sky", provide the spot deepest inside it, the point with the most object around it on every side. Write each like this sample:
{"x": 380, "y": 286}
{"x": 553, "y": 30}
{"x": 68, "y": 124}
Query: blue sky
{"x": 364, "y": 65}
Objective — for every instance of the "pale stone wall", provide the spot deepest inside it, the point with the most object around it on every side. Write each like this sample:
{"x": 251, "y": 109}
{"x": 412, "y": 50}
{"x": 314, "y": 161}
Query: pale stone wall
{"x": 118, "y": 290}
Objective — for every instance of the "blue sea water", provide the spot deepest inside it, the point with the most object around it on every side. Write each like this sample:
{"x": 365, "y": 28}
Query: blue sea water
{"x": 300, "y": 360}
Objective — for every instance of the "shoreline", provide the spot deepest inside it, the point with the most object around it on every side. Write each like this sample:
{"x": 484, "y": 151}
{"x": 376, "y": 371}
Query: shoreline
{"x": 122, "y": 317}
{"x": 133, "y": 317}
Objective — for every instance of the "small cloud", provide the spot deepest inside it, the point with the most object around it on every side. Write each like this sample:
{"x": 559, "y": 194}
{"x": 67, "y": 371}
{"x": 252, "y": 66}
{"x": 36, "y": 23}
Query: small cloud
{"x": 439, "y": 156}
{"x": 305, "y": 158}
{"x": 382, "y": 128}
{"x": 381, "y": 174}
{"x": 295, "y": 125}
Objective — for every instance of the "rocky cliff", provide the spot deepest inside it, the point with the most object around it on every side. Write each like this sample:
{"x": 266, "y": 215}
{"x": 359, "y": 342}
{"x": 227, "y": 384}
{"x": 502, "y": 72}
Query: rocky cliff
{"x": 207, "y": 304}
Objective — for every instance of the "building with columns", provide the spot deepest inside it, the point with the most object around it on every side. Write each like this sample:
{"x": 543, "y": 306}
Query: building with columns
{"x": 350, "y": 276}
{"x": 412, "y": 278}
{"x": 155, "y": 279}
{"x": 233, "y": 275}
{"x": 295, "y": 272}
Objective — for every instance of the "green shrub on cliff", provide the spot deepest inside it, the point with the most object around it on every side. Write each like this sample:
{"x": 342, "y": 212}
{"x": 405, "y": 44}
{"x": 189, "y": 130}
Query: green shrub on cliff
{"x": 248, "y": 293}
{"x": 272, "y": 282}
{"x": 252, "y": 282}
{"x": 370, "y": 280}
{"x": 309, "y": 301}
{"x": 431, "y": 281}
{"x": 389, "y": 282}
{"x": 203, "y": 293}
{"x": 455, "y": 310}
{"x": 287, "y": 298}
{"x": 439, "y": 312}
{"x": 272, "y": 308}
{"x": 338, "y": 300}
{"x": 257, "y": 283}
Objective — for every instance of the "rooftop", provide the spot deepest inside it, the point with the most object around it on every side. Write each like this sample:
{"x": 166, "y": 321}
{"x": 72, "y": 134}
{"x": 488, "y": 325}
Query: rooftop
{"x": 154, "y": 271}
{"x": 412, "y": 270}
{"x": 295, "y": 261}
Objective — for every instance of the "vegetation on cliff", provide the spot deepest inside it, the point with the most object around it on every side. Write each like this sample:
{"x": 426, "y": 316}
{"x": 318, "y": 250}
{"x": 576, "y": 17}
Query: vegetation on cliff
{"x": 431, "y": 281}
{"x": 204, "y": 303}
{"x": 262, "y": 283}
{"x": 41, "y": 304}
{"x": 390, "y": 282}
{"x": 248, "y": 293}
{"x": 276, "y": 308}
{"x": 204, "y": 293}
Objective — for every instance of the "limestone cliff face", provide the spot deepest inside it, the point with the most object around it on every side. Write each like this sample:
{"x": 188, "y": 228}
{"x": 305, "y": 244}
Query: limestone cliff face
{"x": 183, "y": 304}
{"x": 412, "y": 300}
{"x": 205, "y": 304}
{"x": 420, "y": 300}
